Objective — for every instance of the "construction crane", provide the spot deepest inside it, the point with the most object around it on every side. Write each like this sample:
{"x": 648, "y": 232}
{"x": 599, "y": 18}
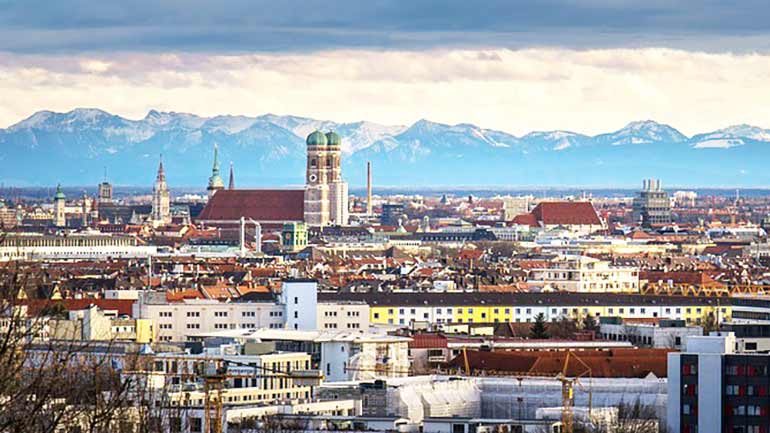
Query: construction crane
{"x": 568, "y": 384}
{"x": 213, "y": 386}
{"x": 567, "y": 392}
{"x": 214, "y": 373}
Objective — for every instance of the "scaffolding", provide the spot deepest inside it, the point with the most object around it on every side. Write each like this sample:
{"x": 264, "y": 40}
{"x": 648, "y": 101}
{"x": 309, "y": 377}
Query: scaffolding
{"x": 520, "y": 398}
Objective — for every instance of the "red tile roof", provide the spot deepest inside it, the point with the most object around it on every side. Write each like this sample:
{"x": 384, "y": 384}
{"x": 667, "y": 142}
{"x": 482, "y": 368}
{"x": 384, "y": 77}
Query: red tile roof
{"x": 695, "y": 278}
{"x": 428, "y": 341}
{"x": 566, "y": 213}
{"x": 122, "y": 306}
{"x": 610, "y": 363}
{"x": 638, "y": 234}
{"x": 526, "y": 219}
{"x": 263, "y": 205}
{"x": 184, "y": 294}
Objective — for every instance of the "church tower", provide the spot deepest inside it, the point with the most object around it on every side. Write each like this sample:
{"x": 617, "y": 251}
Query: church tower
{"x": 326, "y": 194}
{"x": 316, "y": 189}
{"x": 215, "y": 181}
{"x": 161, "y": 199}
{"x": 338, "y": 189}
{"x": 59, "y": 215}
{"x": 231, "y": 184}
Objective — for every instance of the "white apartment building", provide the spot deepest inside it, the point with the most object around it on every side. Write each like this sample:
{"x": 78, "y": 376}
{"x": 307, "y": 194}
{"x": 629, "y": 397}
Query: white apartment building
{"x": 585, "y": 274}
{"x": 178, "y": 321}
{"x": 74, "y": 246}
{"x": 248, "y": 393}
{"x": 300, "y": 299}
{"x": 669, "y": 334}
{"x": 343, "y": 316}
{"x": 340, "y": 355}
{"x": 297, "y": 309}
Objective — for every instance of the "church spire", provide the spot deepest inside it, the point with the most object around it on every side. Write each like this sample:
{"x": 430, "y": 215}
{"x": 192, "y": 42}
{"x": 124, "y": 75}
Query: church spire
{"x": 215, "y": 168}
{"x": 215, "y": 181}
{"x": 161, "y": 177}
{"x": 231, "y": 184}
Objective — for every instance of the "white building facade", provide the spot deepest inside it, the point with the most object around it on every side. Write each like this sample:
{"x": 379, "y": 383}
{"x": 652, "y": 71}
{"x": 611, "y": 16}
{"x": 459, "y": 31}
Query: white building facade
{"x": 585, "y": 274}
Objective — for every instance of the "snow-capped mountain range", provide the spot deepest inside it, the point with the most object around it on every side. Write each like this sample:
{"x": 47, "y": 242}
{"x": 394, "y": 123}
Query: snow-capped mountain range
{"x": 76, "y": 147}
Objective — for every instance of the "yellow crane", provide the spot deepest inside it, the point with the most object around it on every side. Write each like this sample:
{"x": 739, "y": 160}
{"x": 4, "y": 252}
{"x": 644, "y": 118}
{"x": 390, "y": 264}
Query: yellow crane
{"x": 567, "y": 392}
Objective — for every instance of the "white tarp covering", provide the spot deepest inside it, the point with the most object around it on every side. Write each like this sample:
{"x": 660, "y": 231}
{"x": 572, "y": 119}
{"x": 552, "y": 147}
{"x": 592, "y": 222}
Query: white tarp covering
{"x": 511, "y": 398}
{"x": 436, "y": 399}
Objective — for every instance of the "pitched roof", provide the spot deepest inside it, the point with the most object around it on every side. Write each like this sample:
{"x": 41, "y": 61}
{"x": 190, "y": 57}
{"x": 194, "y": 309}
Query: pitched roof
{"x": 179, "y": 296}
{"x": 695, "y": 278}
{"x": 611, "y": 363}
{"x": 566, "y": 213}
{"x": 428, "y": 341}
{"x": 122, "y": 306}
{"x": 263, "y": 205}
{"x": 526, "y": 219}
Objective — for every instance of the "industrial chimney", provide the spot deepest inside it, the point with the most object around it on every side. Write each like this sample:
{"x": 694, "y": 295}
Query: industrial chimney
{"x": 369, "y": 188}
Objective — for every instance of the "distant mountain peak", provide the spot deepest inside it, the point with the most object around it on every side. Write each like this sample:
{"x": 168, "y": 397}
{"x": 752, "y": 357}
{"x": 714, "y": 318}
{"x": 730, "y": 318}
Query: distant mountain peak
{"x": 46, "y": 119}
{"x": 643, "y": 132}
{"x": 35, "y": 120}
{"x": 731, "y": 136}
{"x": 45, "y": 147}
{"x": 644, "y": 124}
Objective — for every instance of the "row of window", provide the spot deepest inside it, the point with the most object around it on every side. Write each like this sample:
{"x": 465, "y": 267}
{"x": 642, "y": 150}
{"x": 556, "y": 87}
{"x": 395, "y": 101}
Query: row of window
{"x": 611, "y": 310}
{"x": 747, "y": 429}
{"x": 224, "y": 326}
{"x": 746, "y": 370}
{"x": 741, "y": 390}
{"x": 220, "y": 314}
{"x": 746, "y": 410}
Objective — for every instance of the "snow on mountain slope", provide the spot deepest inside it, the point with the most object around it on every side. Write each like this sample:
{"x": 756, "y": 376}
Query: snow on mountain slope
{"x": 642, "y": 132}
{"x": 554, "y": 140}
{"x": 271, "y": 148}
{"x": 732, "y": 136}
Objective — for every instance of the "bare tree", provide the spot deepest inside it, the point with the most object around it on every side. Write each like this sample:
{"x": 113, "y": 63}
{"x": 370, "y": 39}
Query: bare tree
{"x": 46, "y": 384}
{"x": 634, "y": 417}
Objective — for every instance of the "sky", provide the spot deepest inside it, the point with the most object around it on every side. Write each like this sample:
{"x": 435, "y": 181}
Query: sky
{"x": 588, "y": 66}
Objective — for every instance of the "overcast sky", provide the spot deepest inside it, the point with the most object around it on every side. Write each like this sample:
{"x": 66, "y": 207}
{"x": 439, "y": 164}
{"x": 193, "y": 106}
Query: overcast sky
{"x": 583, "y": 65}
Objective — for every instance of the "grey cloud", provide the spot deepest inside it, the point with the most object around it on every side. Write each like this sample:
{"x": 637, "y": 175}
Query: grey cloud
{"x": 31, "y": 26}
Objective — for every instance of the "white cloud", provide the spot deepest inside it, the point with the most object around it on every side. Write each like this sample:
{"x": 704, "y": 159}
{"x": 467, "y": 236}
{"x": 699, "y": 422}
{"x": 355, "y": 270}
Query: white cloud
{"x": 588, "y": 91}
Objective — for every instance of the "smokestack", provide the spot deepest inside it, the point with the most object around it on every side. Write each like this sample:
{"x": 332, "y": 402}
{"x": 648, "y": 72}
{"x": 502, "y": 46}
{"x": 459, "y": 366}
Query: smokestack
{"x": 368, "y": 187}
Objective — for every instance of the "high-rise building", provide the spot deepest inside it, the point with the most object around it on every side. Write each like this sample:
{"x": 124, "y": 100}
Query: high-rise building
{"x": 369, "y": 206}
{"x": 161, "y": 199}
{"x": 85, "y": 209}
{"x": 326, "y": 194}
{"x": 105, "y": 192}
{"x": 715, "y": 386}
{"x": 652, "y": 206}
{"x": 215, "y": 181}
{"x": 391, "y": 214}
{"x": 59, "y": 215}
